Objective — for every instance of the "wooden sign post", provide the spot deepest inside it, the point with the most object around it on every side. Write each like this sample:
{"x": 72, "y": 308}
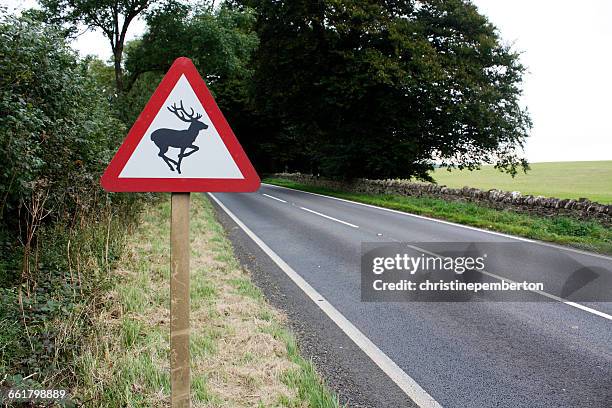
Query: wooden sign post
{"x": 179, "y": 301}
{"x": 180, "y": 143}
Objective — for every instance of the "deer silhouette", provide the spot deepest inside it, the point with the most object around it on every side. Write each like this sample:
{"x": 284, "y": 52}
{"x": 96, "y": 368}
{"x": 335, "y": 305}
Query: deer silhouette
{"x": 180, "y": 139}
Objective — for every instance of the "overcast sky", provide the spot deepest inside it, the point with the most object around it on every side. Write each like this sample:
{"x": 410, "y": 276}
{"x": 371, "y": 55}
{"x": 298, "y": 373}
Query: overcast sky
{"x": 566, "y": 48}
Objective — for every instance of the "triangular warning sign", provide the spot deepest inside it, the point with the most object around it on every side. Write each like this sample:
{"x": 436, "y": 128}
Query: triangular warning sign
{"x": 181, "y": 142}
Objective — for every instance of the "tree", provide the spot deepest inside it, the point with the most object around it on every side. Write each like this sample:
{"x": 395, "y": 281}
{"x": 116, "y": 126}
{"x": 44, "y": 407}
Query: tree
{"x": 220, "y": 41}
{"x": 113, "y": 17}
{"x": 103, "y": 74}
{"x": 387, "y": 88}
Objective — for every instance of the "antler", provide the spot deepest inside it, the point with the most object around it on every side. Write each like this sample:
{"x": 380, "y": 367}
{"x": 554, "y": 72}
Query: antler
{"x": 182, "y": 114}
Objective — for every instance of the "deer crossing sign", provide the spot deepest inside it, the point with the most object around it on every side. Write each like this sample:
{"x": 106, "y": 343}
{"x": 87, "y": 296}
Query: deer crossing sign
{"x": 181, "y": 139}
{"x": 181, "y": 143}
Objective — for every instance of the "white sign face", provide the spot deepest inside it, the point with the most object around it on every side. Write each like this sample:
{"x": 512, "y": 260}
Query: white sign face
{"x": 176, "y": 144}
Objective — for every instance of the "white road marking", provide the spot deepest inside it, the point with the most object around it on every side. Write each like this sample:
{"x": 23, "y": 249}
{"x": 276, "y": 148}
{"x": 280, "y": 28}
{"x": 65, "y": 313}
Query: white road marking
{"x": 554, "y": 297}
{"x": 406, "y": 383}
{"x": 539, "y": 292}
{"x": 329, "y": 218}
{"x": 501, "y": 234}
{"x": 274, "y": 198}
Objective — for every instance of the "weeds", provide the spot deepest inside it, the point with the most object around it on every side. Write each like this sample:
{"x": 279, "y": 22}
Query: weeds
{"x": 45, "y": 314}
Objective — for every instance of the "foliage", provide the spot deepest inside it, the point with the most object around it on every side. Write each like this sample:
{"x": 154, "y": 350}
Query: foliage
{"x": 113, "y": 17}
{"x": 56, "y": 133}
{"x": 347, "y": 88}
{"x": 46, "y": 319}
{"x": 59, "y": 232}
{"x": 383, "y": 89}
{"x": 103, "y": 75}
{"x": 220, "y": 43}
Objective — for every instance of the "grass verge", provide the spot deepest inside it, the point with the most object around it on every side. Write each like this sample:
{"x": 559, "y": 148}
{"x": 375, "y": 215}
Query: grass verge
{"x": 588, "y": 235}
{"x": 241, "y": 355}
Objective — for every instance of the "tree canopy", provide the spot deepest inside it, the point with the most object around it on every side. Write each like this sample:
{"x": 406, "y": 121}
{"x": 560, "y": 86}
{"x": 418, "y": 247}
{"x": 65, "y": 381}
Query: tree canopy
{"x": 112, "y": 17}
{"x": 364, "y": 88}
{"x": 220, "y": 42}
{"x": 341, "y": 88}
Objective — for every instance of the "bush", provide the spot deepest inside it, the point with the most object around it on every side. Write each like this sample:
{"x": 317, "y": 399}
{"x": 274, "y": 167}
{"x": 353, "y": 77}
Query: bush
{"x": 56, "y": 132}
{"x": 59, "y": 231}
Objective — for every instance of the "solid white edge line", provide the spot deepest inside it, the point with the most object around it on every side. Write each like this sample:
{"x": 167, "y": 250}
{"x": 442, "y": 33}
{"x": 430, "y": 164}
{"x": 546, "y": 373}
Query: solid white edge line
{"x": 274, "y": 198}
{"x": 539, "y": 292}
{"x": 329, "y": 218}
{"x": 501, "y": 234}
{"x": 406, "y": 383}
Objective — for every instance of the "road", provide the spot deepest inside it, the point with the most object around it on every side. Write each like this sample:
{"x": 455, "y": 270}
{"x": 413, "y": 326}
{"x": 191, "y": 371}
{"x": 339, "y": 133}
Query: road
{"x": 541, "y": 352}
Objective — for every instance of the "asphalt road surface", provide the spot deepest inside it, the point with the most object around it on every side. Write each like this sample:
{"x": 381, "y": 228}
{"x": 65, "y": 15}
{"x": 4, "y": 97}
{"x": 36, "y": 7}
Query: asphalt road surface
{"x": 553, "y": 349}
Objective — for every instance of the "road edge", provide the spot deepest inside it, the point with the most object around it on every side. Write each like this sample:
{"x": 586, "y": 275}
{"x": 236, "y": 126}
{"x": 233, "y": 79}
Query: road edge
{"x": 401, "y": 380}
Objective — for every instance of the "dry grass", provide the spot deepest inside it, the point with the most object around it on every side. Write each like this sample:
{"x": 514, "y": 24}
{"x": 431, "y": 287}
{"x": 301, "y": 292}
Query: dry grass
{"x": 240, "y": 354}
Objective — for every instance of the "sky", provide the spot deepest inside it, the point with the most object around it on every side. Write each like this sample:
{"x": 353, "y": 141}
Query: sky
{"x": 565, "y": 46}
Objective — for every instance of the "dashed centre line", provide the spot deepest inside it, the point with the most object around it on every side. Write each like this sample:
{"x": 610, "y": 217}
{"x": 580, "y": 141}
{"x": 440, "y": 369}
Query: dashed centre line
{"x": 545, "y": 294}
{"x": 328, "y": 217}
{"x": 313, "y": 211}
{"x": 274, "y": 198}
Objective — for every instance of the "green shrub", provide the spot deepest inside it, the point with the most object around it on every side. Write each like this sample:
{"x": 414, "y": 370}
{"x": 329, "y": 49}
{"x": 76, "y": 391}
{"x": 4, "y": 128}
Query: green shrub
{"x": 56, "y": 131}
{"x": 59, "y": 231}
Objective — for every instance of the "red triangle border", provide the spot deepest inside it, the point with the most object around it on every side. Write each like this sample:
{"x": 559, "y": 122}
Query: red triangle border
{"x": 110, "y": 180}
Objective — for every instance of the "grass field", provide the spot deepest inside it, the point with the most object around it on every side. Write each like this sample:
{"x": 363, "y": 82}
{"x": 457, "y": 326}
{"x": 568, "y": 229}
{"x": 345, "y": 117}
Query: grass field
{"x": 590, "y": 179}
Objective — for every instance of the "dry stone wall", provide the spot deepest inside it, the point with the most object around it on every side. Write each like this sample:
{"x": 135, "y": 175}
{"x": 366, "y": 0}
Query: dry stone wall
{"x": 512, "y": 200}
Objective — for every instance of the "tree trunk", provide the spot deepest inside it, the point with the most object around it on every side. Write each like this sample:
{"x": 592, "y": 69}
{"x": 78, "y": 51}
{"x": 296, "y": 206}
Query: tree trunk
{"x": 118, "y": 54}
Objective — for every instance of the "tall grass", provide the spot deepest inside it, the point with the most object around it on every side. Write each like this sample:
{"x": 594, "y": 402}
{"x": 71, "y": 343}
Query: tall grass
{"x": 46, "y": 314}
